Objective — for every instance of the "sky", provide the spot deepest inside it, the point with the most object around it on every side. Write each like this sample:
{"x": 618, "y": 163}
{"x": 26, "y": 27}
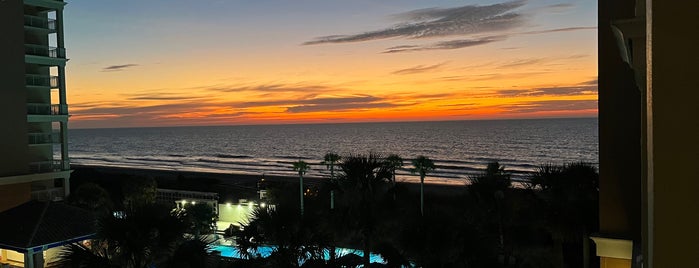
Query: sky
{"x": 238, "y": 62}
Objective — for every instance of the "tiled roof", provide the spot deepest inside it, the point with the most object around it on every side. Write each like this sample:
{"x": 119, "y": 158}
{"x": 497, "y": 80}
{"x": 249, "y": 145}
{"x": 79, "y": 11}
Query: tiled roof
{"x": 51, "y": 224}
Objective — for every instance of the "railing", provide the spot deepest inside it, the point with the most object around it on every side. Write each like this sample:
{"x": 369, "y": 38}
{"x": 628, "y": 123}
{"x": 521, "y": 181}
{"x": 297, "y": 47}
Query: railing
{"x": 46, "y": 51}
{"x": 46, "y": 166}
{"x": 52, "y": 194}
{"x": 47, "y": 109}
{"x": 39, "y": 22}
{"x": 44, "y": 138}
{"x": 42, "y": 80}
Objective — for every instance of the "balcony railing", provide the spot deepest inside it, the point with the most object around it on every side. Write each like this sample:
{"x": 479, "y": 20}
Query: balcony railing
{"x": 45, "y": 138}
{"x": 46, "y": 51}
{"x": 46, "y": 166}
{"x": 47, "y": 109}
{"x": 42, "y": 80}
{"x": 51, "y": 194}
{"x": 39, "y": 22}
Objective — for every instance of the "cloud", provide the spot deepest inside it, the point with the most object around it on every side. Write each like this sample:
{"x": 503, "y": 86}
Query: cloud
{"x": 339, "y": 107}
{"x": 558, "y": 30}
{"x": 521, "y": 62}
{"x": 592, "y": 82}
{"x": 419, "y": 69}
{"x": 115, "y": 68}
{"x": 439, "y": 22}
{"x": 553, "y": 105}
{"x": 549, "y": 91}
{"x": 272, "y": 88}
{"x": 559, "y": 7}
{"x": 451, "y": 44}
{"x": 161, "y": 97}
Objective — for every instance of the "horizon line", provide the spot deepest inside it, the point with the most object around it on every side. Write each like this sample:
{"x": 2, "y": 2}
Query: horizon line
{"x": 332, "y": 123}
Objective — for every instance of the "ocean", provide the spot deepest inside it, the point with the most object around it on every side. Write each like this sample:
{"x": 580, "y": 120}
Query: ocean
{"x": 459, "y": 148}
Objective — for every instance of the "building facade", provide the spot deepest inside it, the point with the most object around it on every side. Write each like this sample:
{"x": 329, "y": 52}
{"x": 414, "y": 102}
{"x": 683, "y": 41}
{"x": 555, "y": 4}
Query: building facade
{"x": 34, "y": 166}
{"x": 648, "y": 129}
{"x": 33, "y": 101}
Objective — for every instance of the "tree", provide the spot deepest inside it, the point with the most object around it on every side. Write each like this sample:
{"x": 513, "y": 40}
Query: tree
{"x": 364, "y": 181}
{"x": 570, "y": 193}
{"x": 301, "y": 167}
{"x": 490, "y": 188}
{"x": 201, "y": 218}
{"x": 92, "y": 197}
{"x": 394, "y": 162}
{"x": 139, "y": 191}
{"x": 330, "y": 160}
{"x": 422, "y": 165}
{"x": 144, "y": 236}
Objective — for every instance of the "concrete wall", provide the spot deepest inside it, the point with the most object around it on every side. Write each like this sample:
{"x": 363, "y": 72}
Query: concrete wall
{"x": 13, "y": 97}
{"x": 620, "y": 118}
{"x": 12, "y": 195}
{"x": 674, "y": 144}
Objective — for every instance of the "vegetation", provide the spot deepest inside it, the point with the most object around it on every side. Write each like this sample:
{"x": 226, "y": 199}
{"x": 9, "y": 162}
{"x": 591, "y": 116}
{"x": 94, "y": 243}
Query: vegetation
{"x": 329, "y": 160}
{"x": 301, "y": 167}
{"x": 422, "y": 165}
{"x": 488, "y": 222}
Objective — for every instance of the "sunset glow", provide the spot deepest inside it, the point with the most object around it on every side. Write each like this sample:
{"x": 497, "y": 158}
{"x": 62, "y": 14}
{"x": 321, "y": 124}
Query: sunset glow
{"x": 226, "y": 62}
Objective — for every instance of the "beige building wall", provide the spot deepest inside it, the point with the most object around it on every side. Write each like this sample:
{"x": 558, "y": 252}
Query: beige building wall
{"x": 673, "y": 126}
{"x": 13, "y": 195}
{"x": 13, "y": 96}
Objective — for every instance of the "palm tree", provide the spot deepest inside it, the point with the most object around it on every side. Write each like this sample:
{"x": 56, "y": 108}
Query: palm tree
{"x": 422, "y": 165}
{"x": 330, "y": 160}
{"x": 490, "y": 188}
{"x": 394, "y": 162}
{"x": 301, "y": 167}
{"x": 364, "y": 180}
{"x": 570, "y": 193}
{"x": 145, "y": 236}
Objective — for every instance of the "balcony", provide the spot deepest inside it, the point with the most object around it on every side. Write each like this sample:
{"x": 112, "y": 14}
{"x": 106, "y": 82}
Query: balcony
{"x": 42, "y": 80}
{"x": 45, "y": 51}
{"x": 44, "y": 138}
{"x": 51, "y": 194}
{"x": 46, "y": 4}
{"x": 47, "y": 109}
{"x": 46, "y": 166}
{"x": 39, "y": 22}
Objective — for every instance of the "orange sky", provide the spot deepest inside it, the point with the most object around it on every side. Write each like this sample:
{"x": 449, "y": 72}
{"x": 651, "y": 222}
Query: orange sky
{"x": 388, "y": 61}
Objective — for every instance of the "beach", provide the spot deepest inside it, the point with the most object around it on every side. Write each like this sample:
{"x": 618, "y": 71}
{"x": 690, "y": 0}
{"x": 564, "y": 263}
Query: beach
{"x": 230, "y": 186}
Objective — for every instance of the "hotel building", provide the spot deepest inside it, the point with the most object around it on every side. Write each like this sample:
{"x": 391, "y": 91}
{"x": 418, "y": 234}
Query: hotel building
{"x": 34, "y": 171}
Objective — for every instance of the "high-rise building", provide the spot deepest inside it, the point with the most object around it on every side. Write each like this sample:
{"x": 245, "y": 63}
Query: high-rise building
{"x": 34, "y": 166}
{"x": 34, "y": 112}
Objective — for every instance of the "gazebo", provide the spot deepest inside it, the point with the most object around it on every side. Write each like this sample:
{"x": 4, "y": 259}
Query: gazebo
{"x": 32, "y": 229}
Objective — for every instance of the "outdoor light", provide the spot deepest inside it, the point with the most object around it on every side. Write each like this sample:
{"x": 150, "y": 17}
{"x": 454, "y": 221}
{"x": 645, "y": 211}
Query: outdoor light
{"x": 194, "y": 202}
{"x": 263, "y": 204}
{"x": 228, "y": 204}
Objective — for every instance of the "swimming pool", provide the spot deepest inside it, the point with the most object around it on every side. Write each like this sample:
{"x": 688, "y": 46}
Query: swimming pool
{"x": 265, "y": 251}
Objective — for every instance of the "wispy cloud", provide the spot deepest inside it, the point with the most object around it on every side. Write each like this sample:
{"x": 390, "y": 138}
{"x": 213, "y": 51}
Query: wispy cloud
{"x": 115, "y": 68}
{"x": 451, "y": 44}
{"x": 559, "y": 7}
{"x": 553, "y": 105}
{"x": 521, "y": 62}
{"x": 339, "y": 107}
{"x": 419, "y": 69}
{"x": 558, "y": 30}
{"x": 272, "y": 88}
{"x": 549, "y": 91}
{"x": 439, "y": 22}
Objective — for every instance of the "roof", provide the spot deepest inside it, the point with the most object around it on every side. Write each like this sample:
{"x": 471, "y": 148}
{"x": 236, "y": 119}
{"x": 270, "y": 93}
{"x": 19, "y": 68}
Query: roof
{"x": 35, "y": 225}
